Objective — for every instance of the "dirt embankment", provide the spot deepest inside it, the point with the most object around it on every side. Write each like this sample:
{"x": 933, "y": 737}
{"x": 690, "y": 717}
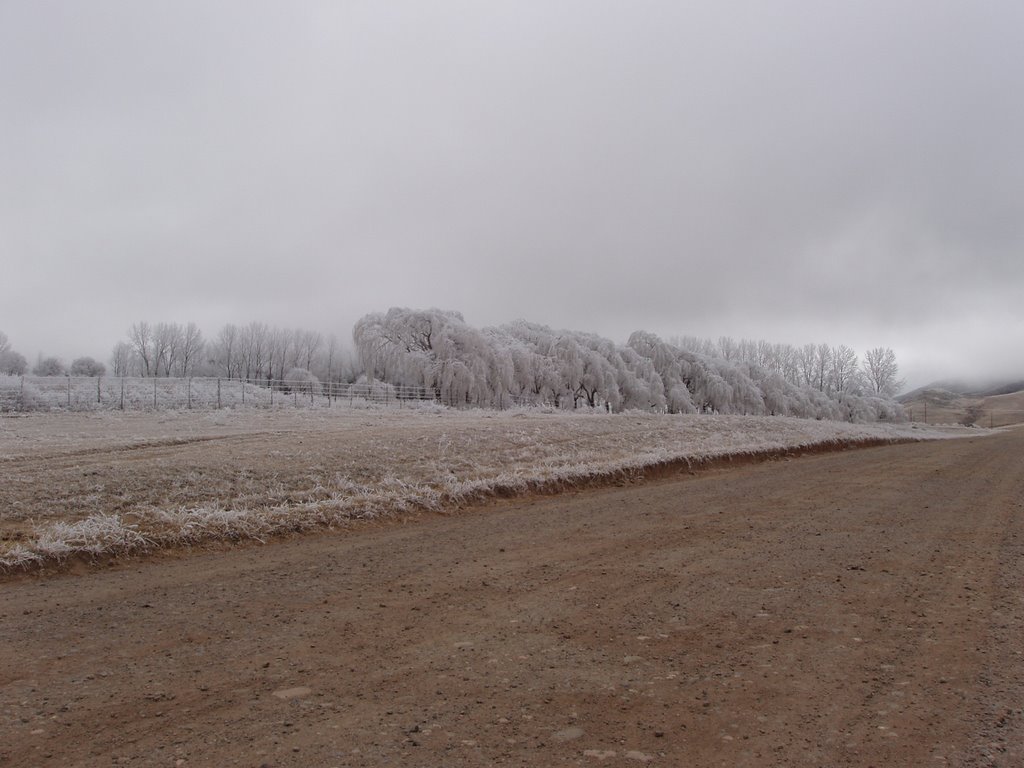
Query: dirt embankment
{"x": 851, "y": 609}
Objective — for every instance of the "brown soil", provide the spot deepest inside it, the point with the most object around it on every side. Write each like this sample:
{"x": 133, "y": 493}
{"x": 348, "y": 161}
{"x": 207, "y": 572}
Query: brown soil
{"x": 850, "y": 609}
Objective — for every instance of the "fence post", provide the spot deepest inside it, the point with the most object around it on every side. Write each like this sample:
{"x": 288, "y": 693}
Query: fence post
{"x": 21, "y": 394}
{"x": 218, "y": 394}
{"x": 154, "y": 393}
{"x": 190, "y": 393}
{"x": 98, "y": 380}
{"x": 122, "y": 393}
{"x": 243, "y": 391}
{"x": 69, "y": 391}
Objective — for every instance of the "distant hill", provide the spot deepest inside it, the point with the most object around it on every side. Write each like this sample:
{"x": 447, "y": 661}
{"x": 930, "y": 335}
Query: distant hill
{"x": 968, "y": 387}
{"x": 982, "y": 404}
{"x": 1004, "y": 389}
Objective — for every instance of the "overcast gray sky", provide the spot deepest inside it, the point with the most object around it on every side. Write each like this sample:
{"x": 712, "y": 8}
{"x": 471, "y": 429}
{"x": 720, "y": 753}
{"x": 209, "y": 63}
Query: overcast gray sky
{"x": 846, "y": 172}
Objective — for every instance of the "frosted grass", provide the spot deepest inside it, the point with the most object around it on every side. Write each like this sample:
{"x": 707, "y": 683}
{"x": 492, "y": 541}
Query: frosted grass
{"x": 442, "y": 461}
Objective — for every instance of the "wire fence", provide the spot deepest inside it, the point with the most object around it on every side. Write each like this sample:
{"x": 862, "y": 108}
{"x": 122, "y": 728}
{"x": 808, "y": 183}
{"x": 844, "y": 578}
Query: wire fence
{"x": 43, "y": 393}
{"x": 79, "y": 393}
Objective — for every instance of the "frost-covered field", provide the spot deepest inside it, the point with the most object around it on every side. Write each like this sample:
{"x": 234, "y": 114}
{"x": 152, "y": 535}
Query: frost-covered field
{"x": 116, "y": 483}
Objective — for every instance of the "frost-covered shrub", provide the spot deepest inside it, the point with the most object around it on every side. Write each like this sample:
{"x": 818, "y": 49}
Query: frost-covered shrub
{"x": 87, "y": 366}
{"x": 49, "y": 366}
{"x": 12, "y": 363}
{"x": 301, "y": 380}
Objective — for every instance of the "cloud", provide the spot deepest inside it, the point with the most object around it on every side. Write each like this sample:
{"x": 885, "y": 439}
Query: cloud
{"x": 794, "y": 170}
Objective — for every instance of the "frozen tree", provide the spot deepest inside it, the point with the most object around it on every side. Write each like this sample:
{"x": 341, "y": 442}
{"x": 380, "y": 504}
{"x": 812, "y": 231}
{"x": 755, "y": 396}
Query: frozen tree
{"x": 822, "y": 365}
{"x": 332, "y": 360}
{"x": 639, "y": 383}
{"x": 346, "y": 364}
{"x": 140, "y": 337}
{"x": 166, "y": 347}
{"x": 758, "y": 377}
{"x": 123, "y": 359}
{"x": 527, "y": 362}
{"x": 280, "y": 353}
{"x": 668, "y": 364}
{"x": 693, "y": 344}
{"x": 881, "y": 371}
{"x": 842, "y": 371}
{"x": 868, "y": 408}
{"x": 258, "y": 351}
{"x": 781, "y": 396}
{"x": 710, "y": 391}
{"x": 582, "y": 370}
{"x": 13, "y": 363}
{"x": 254, "y": 346}
{"x": 162, "y": 349}
{"x": 401, "y": 340}
{"x": 763, "y": 355}
{"x": 727, "y": 347}
{"x": 536, "y": 371}
{"x": 190, "y": 348}
{"x": 823, "y": 406}
{"x": 746, "y": 395}
{"x": 307, "y": 343}
{"x": 49, "y": 366}
{"x": 225, "y": 351}
{"x": 87, "y": 366}
{"x": 806, "y": 356}
{"x": 786, "y": 362}
{"x": 430, "y": 348}
{"x": 517, "y": 361}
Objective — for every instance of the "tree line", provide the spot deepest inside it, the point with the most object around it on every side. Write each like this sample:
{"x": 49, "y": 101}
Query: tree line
{"x": 13, "y": 363}
{"x": 519, "y": 362}
{"x": 253, "y": 352}
{"x": 529, "y": 362}
{"x": 826, "y": 368}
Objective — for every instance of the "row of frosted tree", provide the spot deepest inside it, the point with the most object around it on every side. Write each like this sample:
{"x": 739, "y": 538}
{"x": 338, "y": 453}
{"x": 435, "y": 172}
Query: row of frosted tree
{"x": 823, "y": 367}
{"x": 253, "y": 352}
{"x": 528, "y": 363}
{"x": 13, "y": 363}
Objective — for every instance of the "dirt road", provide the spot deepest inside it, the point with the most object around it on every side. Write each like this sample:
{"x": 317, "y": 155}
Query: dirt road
{"x": 863, "y": 608}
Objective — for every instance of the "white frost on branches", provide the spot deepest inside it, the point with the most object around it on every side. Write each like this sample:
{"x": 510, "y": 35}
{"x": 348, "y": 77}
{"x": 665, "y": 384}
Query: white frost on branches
{"x": 529, "y": 363}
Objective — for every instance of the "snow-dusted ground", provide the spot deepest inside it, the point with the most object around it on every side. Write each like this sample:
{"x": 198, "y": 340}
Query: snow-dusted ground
{"x": 171, "y": 478}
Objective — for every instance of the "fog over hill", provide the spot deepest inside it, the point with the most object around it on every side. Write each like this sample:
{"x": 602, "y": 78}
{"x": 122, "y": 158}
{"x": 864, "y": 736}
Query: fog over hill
{"x": 974, "y": 387}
